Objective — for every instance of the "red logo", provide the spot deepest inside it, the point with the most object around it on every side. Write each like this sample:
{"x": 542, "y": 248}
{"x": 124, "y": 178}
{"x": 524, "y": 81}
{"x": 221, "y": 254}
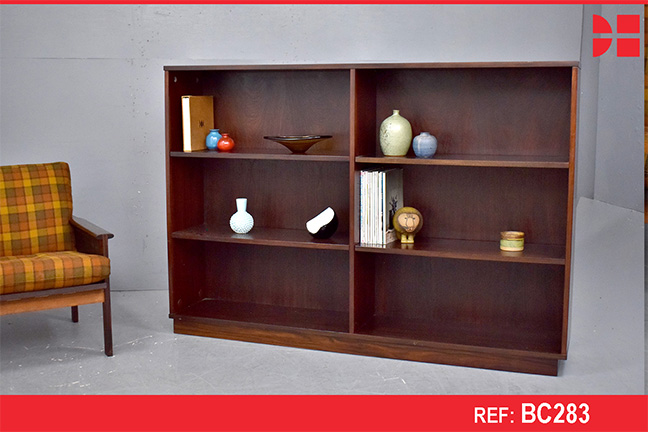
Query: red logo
{"x": 626, "y": 46}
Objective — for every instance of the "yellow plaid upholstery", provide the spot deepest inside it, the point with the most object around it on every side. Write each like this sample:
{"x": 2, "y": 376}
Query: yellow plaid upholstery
{"x": 35, "y": 209}
{"x": 51, "y": 270}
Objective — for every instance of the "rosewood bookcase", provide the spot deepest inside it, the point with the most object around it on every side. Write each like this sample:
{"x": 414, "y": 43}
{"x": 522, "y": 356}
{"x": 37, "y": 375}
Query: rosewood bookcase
{"x": 505, "y": 161}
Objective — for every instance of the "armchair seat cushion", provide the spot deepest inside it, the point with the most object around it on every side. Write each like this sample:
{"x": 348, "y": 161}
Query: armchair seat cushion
{"x": 42, "y": 271}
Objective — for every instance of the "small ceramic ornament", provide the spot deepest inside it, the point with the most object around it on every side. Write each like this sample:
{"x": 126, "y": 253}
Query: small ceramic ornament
{"x": 241, "y": 222}
{"x": 212, "y": 139}
{"x": 424, "y": 145}
{"x": 407, "y": 222}
{"x": 226, "y": 143}
{"x": 395, "y": 135}
{"x": 323, "y": 225}
{"x": 512, "y": 241}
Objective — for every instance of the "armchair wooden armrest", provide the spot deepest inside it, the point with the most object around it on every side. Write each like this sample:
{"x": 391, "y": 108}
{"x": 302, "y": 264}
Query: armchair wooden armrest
{"x": 89, "y": 238}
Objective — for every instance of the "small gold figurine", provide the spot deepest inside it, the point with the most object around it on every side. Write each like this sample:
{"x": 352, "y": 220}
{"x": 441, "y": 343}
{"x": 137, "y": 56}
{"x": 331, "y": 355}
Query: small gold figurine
{"x": 407, "y": 222}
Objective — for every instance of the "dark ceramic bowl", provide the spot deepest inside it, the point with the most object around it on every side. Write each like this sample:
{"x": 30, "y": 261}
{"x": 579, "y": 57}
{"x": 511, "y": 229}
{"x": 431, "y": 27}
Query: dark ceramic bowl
{"x": 298, "y": 143}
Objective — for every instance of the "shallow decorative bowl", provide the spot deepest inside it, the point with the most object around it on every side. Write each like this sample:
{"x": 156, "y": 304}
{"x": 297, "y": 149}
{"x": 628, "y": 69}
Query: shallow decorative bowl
{"x": 298, "y": 143}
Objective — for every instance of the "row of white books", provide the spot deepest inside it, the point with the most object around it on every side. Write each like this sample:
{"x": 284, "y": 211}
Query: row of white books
{"x": 381, "y": 194}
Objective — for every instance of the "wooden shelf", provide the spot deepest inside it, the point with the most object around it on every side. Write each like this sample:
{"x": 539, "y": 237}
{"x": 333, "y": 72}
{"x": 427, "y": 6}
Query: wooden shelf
{"x": 264, "y": 154}
{"x": 471, "y": 250}
{"x": 541, "y": 341}
{"x": 263, "y": 237}
{"x": 472, "y": 161}
{"x": 316, "y": 319}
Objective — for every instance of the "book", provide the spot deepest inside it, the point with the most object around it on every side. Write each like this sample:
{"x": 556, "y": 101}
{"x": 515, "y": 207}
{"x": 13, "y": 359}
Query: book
{"x": 381, "y": 194}
{"x": 197, "y": 121}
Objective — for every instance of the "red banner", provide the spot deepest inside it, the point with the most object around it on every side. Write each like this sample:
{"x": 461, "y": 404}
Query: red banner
{"x": 323, "y": 413}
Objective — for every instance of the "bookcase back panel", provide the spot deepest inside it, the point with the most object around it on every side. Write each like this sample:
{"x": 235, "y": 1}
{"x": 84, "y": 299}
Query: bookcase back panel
{"x": 286, "y": 277}
{"x": 252, "y": 104}
{"x": 477, "y": 203}
{"x": 514, "y": 111}
{"x": 467, "y": 300}
{"x": 281, "y": 194}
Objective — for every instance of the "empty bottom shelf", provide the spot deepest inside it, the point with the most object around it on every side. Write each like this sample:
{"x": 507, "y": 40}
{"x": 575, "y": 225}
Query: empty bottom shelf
{"x": 531, "y": 338}
{"x": 267, "y": 315}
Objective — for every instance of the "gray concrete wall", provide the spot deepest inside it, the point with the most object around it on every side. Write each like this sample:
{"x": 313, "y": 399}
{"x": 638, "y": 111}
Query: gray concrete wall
{"x": 84, "y": 84}
{"x": 619, "y": 130}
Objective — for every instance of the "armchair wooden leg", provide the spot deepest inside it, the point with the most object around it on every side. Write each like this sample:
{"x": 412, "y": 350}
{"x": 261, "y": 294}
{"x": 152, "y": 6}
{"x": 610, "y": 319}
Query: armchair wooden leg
{"x": 75, "y": 313}
{"x": 107, "y": 322}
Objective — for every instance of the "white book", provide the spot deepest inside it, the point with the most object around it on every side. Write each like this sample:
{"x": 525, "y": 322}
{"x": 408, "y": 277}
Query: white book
{"x": 372, "y": 207}
{"x": 197, "y": 121}
{"x": 363, "y": 207}
{"x": 381, "y": 208}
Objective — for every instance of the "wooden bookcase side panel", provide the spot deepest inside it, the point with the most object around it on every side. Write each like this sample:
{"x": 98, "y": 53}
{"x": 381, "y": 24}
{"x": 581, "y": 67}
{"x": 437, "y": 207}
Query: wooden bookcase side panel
{"x": 281, "y": 194}
{"x": 493, "y": 111}
{"x": 570, "y": 208}
{"x": 511, "y": 306}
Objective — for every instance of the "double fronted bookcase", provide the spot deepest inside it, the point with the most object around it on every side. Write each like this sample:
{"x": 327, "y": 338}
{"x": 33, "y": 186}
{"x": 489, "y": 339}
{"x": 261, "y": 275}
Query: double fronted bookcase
{"x": 505, "y": 161}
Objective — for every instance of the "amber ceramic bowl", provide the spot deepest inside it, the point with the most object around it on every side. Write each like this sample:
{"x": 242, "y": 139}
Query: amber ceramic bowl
{"x": 298, "y": 143}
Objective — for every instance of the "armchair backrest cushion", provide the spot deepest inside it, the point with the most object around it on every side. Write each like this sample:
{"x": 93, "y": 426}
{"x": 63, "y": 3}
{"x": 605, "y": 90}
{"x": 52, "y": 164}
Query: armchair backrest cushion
{"x": 35, "y": 209}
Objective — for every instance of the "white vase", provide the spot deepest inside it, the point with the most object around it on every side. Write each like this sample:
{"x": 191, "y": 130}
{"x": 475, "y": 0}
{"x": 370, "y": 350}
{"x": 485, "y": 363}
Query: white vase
{"x": 395, "y": 135}
{"x": 241, "y": 222}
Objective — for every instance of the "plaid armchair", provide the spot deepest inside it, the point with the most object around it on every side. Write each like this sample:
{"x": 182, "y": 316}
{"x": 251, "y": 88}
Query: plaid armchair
{"x": 48, "y": 258}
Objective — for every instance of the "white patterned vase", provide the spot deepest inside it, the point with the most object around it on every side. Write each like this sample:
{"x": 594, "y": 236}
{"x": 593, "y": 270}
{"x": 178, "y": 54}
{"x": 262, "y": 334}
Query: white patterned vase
{"x": 241, "y": 222}
{"x": 395, "y": 135}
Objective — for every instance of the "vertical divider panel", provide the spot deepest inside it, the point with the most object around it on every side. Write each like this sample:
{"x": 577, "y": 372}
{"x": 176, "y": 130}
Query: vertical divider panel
{"x": 362, "y": 142}
{"x": 353, "y": 193}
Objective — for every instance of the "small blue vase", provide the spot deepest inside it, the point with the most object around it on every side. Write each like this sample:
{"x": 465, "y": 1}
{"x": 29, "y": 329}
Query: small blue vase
{"x": 424, "y": 145}
{"x": 212, "y": 139}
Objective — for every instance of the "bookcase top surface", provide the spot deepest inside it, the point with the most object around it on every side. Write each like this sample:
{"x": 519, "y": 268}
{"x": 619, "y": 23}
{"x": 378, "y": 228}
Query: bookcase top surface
{"x": 412, "y": 65}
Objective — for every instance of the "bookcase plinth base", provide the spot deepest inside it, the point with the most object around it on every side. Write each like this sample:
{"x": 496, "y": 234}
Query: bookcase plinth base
{"x": 422, "y": 351}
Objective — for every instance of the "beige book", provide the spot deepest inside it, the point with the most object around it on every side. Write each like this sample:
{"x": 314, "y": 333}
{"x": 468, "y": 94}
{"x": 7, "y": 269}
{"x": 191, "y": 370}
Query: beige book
{"x": 197, "y": 121}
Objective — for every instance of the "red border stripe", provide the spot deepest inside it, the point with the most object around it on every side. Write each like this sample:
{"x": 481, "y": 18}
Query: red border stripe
{"x": 317, "y": 413}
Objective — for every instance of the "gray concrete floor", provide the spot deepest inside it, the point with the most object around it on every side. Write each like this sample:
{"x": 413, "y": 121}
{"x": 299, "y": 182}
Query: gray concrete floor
{"x": 45, "y": 353}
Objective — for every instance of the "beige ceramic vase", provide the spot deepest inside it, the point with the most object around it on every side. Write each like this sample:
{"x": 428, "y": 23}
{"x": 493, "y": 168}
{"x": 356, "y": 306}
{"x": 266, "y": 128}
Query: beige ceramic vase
{"x": 395, "y": 135}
